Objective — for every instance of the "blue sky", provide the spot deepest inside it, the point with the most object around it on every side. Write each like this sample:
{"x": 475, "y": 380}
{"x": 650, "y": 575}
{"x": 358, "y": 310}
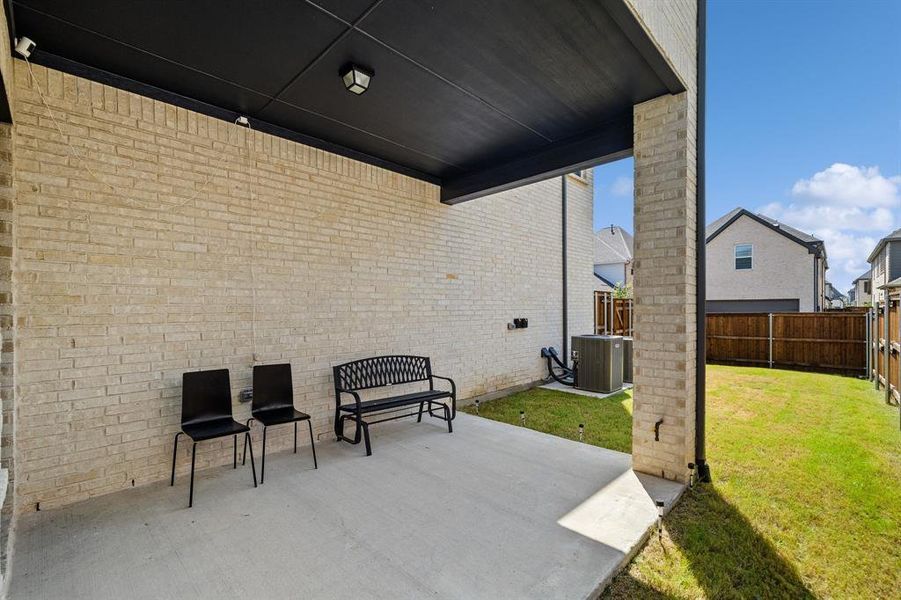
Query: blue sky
{"x": 803, "y": 123}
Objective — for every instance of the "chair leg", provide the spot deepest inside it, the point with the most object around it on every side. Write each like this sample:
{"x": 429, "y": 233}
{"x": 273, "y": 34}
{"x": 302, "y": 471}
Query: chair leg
{"x": 447, "y": 415}
{"x": 419, "y": 417}
{"x": 246, "y": 437}
{"x": 174, "y": 454}
{"x": 191, "y": 493}
{"x": 263, "y": 467}
{"x": 252, "y": 465}
{"x": 235, "y": 459}
{"x": 295, "y": 437}
{"x": 312, "y": 442}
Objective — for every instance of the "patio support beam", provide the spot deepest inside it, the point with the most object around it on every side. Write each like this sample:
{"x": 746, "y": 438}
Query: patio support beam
{"x": 611, "y": 141}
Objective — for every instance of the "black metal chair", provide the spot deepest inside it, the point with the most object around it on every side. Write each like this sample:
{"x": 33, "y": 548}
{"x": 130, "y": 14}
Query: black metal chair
{"x": 206, "y": 414}
{"x": 273, "y": 404}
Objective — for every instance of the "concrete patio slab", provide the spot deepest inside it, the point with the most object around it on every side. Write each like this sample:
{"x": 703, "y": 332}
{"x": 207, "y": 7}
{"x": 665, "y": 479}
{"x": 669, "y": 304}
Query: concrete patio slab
{"x": 554, "y": 385}
{"x": 490, "y": 511}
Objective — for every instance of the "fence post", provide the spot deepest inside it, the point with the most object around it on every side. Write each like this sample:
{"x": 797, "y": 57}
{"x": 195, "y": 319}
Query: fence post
{"x": 867, "y": 359}
{"x": 876, "y": 312}
{"x": 631, "y": 313}
{"x": 612, "y": 315}
{"x": 771, "y": 340}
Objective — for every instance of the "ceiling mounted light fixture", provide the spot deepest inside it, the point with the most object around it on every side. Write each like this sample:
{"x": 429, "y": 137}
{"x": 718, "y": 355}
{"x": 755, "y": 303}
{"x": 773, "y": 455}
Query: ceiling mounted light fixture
{"x": 356, "y": 78}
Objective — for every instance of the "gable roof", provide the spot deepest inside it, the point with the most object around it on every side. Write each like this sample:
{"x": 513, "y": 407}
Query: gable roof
{"x": 605, "y": 280}
{"x": 867, "y": 275}
{"x": 612, "y": 245}
{"x": 813, "y": 244}
{"x": 894, "y": 236}
{"x": 833, "y": 294}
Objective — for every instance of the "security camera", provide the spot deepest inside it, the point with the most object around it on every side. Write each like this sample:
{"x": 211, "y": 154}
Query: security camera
{"x": 24, "y": 47}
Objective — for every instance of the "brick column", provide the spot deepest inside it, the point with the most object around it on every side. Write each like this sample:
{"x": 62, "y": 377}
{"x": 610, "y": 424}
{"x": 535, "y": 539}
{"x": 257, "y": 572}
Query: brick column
{"x": 7, "y": 340}
{"x": 664, "y": 286}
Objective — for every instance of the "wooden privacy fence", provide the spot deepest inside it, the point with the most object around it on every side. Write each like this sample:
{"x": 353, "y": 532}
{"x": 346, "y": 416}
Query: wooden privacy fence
{"x": 612, "y": 316}
{"x": 884, "y": 357}
{"x": 828, "y": 341}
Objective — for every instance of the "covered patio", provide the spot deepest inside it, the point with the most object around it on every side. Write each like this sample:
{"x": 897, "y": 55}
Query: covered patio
{"x": 193, "y": 186}
{"x": 492, "y": 511}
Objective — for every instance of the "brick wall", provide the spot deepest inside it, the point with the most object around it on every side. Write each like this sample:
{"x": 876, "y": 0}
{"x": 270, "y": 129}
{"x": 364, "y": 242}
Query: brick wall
{"x": 122, "y": 282}
{"x": 7, "y": 341}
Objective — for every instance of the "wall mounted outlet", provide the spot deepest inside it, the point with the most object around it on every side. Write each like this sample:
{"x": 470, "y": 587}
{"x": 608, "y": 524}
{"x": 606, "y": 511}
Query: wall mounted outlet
{"x": 520, "y": 323}
{"x": 246, "y": 395}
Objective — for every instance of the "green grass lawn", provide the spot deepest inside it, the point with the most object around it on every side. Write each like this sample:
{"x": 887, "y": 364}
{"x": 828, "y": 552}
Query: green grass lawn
{"x": 806, "y": 498}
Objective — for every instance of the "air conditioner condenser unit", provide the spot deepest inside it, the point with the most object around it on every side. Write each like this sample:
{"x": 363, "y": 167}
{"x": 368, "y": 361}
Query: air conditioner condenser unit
{"x": 598, "y": 362}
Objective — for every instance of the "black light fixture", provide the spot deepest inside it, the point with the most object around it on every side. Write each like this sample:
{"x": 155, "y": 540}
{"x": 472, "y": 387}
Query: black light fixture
{"x": 356, "y": 78}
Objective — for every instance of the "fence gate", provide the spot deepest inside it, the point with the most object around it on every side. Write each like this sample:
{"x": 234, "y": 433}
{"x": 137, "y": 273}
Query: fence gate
{"x": 612, "y": 316}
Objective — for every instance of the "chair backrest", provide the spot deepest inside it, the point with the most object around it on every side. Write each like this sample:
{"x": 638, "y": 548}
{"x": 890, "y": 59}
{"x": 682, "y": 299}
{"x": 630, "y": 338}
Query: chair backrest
{"x": 205, "y": 396}
{"x": 379, "y": 371}
{"x": 272, "y": 387}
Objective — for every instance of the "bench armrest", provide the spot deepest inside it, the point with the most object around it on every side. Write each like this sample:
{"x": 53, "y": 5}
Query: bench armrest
{"x": 339, "y": 391}
{"x": 453, "y": 394}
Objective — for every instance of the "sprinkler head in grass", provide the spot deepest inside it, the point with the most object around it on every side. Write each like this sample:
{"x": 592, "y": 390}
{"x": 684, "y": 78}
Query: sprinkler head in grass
{"x": 522, "y": 418}
{"x": 581, "y": 432}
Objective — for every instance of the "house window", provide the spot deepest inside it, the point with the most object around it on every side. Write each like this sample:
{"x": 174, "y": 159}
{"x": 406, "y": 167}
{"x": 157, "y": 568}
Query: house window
{"x": 743, "y": 256}
{"x": 866, "y": 287}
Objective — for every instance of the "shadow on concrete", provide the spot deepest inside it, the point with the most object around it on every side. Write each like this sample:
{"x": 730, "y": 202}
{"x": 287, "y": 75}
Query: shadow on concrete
{"x": 727, "y": 556}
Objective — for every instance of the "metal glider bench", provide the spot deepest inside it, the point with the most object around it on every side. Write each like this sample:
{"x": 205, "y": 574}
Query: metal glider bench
{"x": 383, "y": 371}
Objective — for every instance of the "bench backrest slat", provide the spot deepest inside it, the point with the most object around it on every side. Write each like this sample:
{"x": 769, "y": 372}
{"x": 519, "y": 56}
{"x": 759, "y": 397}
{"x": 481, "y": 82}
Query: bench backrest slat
{"x": 380, "y": 371}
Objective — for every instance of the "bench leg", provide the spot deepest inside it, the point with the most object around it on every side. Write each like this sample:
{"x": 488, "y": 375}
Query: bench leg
{"x": 450, "y": 425}
{"x": 419, "y": 418}
{"x": 312, "y": 442}
{"x": 366, "y": 438}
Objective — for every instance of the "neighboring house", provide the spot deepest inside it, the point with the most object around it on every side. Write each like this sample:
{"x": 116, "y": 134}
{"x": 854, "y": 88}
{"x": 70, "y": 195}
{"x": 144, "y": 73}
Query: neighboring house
{"x": 613, "y": 256}
{"x": 757, "y": 264}
{"x": 885, "y": 263}
{"x": 834, "y": 298}
{"x": 862, "y": 291}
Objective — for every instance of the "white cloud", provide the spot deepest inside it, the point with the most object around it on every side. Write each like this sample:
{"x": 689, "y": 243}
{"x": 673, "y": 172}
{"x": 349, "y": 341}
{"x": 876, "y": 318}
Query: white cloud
{"x": 622, "y": 187}
{"x": 849, "y": 208}
{"x": 843, "y": 184}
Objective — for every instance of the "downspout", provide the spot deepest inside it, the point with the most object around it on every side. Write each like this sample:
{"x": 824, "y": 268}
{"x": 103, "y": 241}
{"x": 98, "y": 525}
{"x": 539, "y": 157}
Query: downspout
{"x": 703, "y": 469}
{"x": 565, "y": 285}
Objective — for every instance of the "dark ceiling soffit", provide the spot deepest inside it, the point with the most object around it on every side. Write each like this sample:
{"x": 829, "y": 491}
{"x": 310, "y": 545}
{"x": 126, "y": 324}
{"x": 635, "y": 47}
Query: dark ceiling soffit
{"x": 641, "y": 40}
{"x": 65, "y": 65}
{"x": 610, "y": 142}
{"x": 812, "y": 247}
